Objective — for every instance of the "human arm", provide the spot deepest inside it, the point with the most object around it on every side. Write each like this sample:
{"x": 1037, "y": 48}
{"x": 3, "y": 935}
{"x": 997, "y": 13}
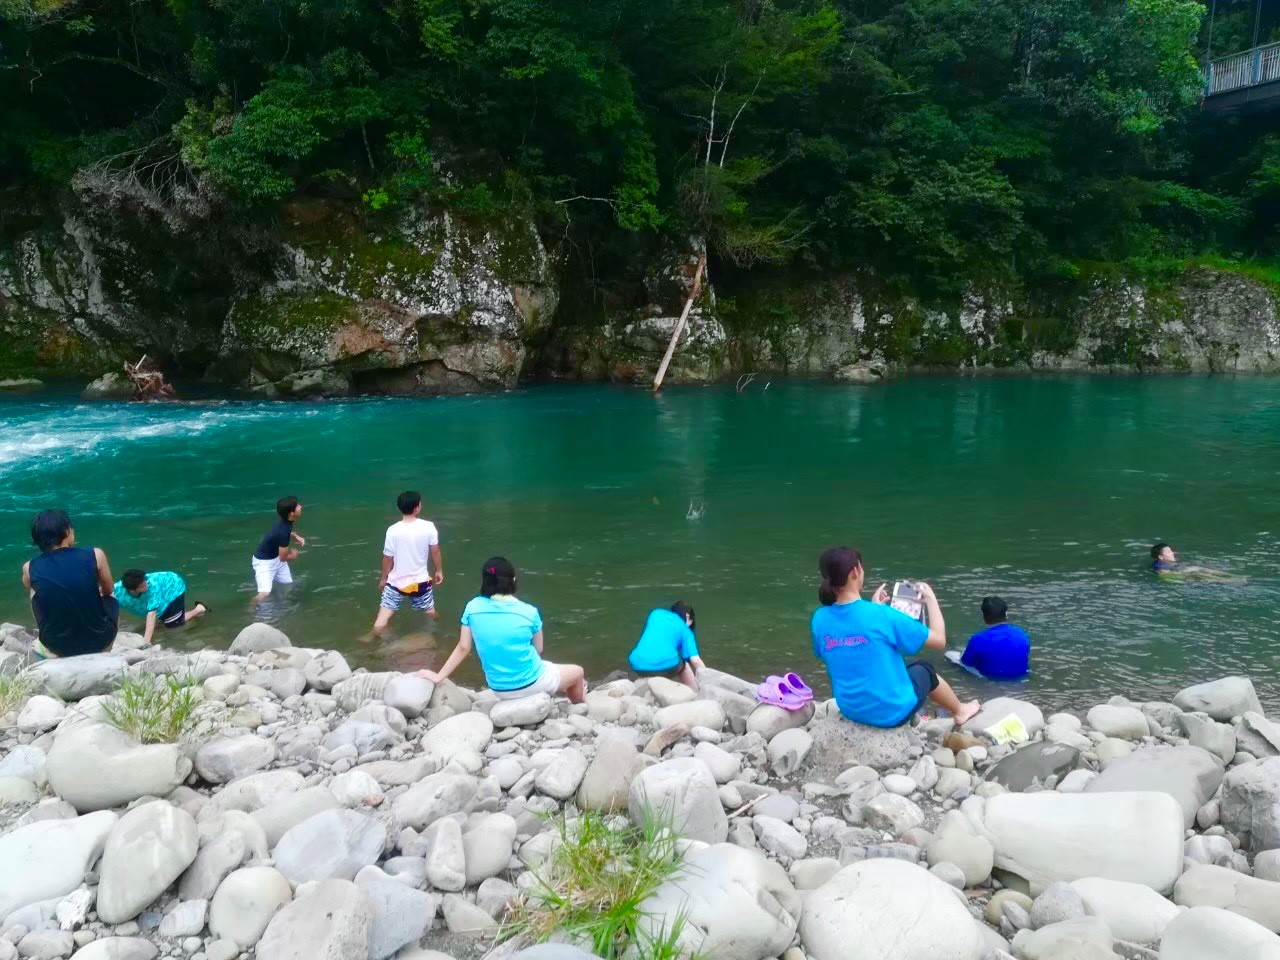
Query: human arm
{"x": 26, "y": 577}
{"x": 459, "y": 654}
{"x": 297, "y": 538}
{"x": 538, "y": 641}
{"x": 881, "y": 595}
{"x": 287, "y": 554}
{"x": 437, "y": 564}
{"x": 150, "y": 628}
{"x": 386, "y": 571}
{"x": 106, "y": 585}
{"x": 696, "y": 663}
{"x": 937, "y": 639}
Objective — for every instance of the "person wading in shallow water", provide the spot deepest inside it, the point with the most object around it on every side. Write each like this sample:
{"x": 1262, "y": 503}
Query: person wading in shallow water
{"x": 862, "y": 644}
{"x": 271, "y": 559}
{"x": 410, "y": 552}
{"x": 70, "y": 590}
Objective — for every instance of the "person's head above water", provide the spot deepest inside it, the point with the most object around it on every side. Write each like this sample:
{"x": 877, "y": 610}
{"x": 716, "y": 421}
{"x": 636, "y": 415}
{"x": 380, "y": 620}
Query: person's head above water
{"x": 685, "y": 611}
{"x": 409, "y": 503}
{"x": 289, "y": 509}
{"x": 135, "y": 582}
{"x": 994, "y": 610}
{"x": 1163, "y": 553}
{"x": 52, "y": 529}
{"x": 497, "y": 576}
{"x": 840, "y": 567}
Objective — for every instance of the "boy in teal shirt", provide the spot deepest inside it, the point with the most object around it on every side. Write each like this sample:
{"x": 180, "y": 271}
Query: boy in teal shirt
{"x": 161, "y": 595}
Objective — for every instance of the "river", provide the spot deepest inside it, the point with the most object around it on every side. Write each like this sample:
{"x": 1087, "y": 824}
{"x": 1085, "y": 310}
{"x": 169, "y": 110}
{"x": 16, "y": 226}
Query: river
{"x": 1047, "y": 491}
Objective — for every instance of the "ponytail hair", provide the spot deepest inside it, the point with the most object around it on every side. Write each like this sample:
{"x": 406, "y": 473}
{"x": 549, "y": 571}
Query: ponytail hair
{"x": 498, "y": 575}
{"x": 684, "y": 610}
{"x": 836, "y": 565}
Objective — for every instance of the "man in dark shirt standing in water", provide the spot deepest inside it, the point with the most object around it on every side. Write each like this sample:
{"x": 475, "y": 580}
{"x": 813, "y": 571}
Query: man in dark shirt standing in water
{"x": 271, "y": 559}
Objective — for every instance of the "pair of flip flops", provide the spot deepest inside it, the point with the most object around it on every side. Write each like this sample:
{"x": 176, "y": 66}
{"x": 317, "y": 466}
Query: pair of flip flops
{"x": 788, "y": 692}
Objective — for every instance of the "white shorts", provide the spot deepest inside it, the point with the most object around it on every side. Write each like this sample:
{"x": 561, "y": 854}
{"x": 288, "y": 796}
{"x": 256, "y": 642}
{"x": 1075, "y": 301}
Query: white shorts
{"x": 548, "y": 682}
{"x": 268, "y": 572}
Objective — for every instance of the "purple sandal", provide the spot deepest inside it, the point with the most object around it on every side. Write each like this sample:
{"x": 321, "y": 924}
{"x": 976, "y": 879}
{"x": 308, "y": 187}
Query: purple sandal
{"x": 798, "y": 686}
{"x": 775, "y": 692}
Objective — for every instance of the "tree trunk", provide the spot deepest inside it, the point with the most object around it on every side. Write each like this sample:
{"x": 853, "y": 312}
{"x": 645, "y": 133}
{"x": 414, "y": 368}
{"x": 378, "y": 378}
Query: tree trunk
{"x": 684, "y": 315}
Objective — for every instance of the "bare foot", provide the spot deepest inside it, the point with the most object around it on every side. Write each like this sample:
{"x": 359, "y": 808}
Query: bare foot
{"x": 967, "y": 712}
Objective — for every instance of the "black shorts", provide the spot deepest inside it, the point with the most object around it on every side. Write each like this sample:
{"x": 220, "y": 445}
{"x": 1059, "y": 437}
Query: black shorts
{"x": 175, "y": 614}
{"x": 672, "y": 672}
{"x": 925, "y": 680}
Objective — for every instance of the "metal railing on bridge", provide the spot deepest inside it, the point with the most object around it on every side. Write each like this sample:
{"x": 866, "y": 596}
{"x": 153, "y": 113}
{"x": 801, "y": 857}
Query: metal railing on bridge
{"x": 1252, "y": 68}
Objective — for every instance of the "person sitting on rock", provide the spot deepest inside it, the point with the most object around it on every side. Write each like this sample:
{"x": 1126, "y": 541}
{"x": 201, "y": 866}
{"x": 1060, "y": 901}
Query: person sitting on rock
{"x": 507, "y": 634}
{"x": 668, "y": 647}
{"x": 862, "y": 644}
{"x": 159, "y": 595}
{"x": 1003, "y": 650}
{"x": 70, "y": 590}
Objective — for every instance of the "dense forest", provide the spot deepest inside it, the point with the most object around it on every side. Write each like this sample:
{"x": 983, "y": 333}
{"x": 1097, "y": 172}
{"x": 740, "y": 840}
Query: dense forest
{"x": 932, "y": 140}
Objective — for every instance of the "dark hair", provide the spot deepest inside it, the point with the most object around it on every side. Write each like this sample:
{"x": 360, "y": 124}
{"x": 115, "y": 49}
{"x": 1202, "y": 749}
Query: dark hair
{"x": 1157, "y": 550}
{"x": 498, "y": 575}
{"x": 408, "y": 502}
{"x": 994, "y": 610}
{"x": 835, "y": 565}
{"x": 286, "y": 506}
{"x": 50, "y": 528}
{"x": 133, "y": 579}
{"x": 685, "y": 611}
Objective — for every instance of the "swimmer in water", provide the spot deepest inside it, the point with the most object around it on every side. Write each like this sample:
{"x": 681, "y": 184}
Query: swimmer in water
{"x": 1166, "y": 564}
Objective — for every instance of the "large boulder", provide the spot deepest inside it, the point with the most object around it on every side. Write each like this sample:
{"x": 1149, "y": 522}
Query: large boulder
{"x": 769, "y": 721}
{"x": 1258, "y": 736}
{"x": 433, "y": 797}
{"x": 94, "y": 766}
{"x": 888, "y": 909}
{"x": 245, "y": 903}
{"x": 997, "y": 708}
{"x": 285, "y": 812}
{"x": 1250, "y": 806}
{"x": 1204, "y": 885}
{"x": 117, "y": 948}
{"x": 147, "y": 850}
{"x": 328, "y": 921}
{"x": 1123, "y": 722}
{"x": 1034, "y": 763}
{"x": 1220, "y": 699}
{"x": 683, "y": 794}
{"x": 736, "y": 905}
{"x": 606, "y": 786}
{"x": 695, "y": 713}
{"x": 523, "y": 711}
{"x": 1046, "y": 836}
{"x": 228, "y": 758}
{"x": 326, "y": 670}
{"x": 331, "y": 845}
{"x": 1188, "y": 774}
{"x": 357, "y": 690}
{"x": 1132, "y": 912}
{"x": 1206, "y": 933}
{"x": 464, "y": 733}
{"x": 398, "y": 916}
{"x": 258, "y": 638}
{"x": 49, "y": 858}
{"x": 74, "y": 678}
{"x": 839, "y": 744}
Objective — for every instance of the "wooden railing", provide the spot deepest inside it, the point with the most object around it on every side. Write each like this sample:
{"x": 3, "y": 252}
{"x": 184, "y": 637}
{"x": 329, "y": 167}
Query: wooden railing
{"x": 1241, "y": 70}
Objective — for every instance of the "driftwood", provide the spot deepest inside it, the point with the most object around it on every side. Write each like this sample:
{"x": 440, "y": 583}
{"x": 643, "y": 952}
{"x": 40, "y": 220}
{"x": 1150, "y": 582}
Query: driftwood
{"x": 148, "y": 381}
{"x": 684, "y": 315}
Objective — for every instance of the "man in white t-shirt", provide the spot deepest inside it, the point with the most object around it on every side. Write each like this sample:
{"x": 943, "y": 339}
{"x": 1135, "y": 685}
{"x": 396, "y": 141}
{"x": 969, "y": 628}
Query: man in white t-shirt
{"x": 410, "y": 553}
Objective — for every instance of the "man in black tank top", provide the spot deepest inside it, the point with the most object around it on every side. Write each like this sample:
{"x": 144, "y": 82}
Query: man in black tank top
{"x": 71, "y": 591}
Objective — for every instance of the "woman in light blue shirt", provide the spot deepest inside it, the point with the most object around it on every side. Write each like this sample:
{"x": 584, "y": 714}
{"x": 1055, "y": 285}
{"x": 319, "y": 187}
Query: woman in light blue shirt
{"x": 507, "y": 636}
{"x": 668, "y": 646}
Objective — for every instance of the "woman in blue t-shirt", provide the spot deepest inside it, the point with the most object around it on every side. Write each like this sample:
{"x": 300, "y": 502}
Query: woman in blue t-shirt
{"x": 507, "y": 635}
{"x": 667, "y": 645}
{"x": 862, "y": 644}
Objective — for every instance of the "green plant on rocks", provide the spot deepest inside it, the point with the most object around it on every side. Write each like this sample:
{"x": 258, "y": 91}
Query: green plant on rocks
{"x": 591, "y": 889}
{"x": 153, "y": 709}
{"x": 14, "y": 691}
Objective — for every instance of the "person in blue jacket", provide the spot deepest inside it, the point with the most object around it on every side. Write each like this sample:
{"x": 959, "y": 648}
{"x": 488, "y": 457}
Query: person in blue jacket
{"x": 1001, "y": 651}
{"x": 667, "y": 645}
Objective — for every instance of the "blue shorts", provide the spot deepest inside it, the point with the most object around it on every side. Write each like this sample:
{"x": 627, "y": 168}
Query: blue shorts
{"x": 424, "y": 599}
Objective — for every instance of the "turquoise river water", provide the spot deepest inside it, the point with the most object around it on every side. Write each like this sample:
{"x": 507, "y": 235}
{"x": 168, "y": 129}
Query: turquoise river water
{"x": 1047, "y": 491}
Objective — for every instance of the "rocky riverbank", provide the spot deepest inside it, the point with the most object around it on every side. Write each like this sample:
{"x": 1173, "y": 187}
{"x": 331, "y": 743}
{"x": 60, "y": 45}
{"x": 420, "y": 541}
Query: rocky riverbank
{"x": 312, "y": 812}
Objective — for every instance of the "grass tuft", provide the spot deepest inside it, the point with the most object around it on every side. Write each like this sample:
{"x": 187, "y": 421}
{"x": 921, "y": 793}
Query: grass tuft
{"x": 590, "y": 890}
{"x": 14, "y": 692}
{"x": 153, "y": 709}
